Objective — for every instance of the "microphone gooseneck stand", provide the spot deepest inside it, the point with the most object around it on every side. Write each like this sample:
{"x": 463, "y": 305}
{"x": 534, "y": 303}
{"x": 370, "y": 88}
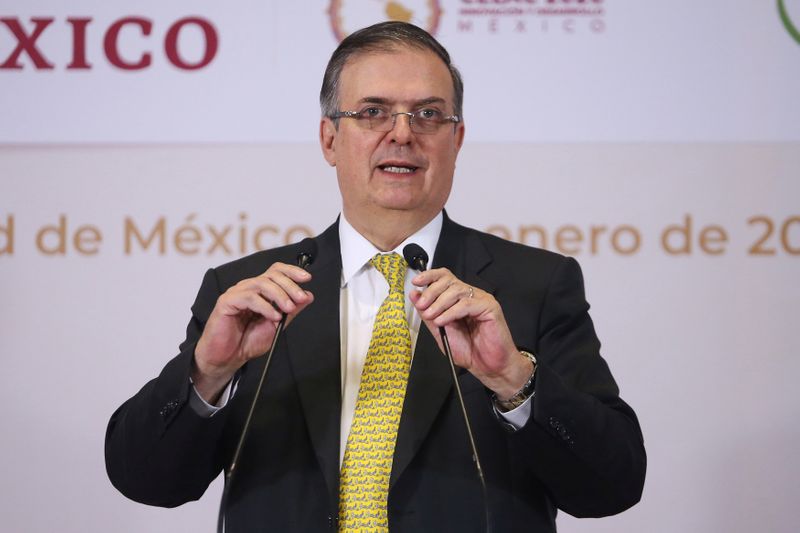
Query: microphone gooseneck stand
{"x": 417, "y": 258}
{"x": 308, "y": 249}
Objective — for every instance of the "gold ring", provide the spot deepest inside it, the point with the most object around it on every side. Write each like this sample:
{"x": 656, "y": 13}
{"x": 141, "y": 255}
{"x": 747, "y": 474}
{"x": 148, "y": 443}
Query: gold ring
{"x": 470, "y": 292}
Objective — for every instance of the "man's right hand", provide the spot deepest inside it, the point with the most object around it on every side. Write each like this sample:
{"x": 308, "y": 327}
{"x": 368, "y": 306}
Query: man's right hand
{"x": 243, "y": 324}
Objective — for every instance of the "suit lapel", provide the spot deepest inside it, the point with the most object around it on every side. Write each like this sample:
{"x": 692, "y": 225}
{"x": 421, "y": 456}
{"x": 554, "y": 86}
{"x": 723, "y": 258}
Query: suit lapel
{"x": 429, "y": 381}
{"x": 316, "y": 358}
{"x": 315, "y": 354}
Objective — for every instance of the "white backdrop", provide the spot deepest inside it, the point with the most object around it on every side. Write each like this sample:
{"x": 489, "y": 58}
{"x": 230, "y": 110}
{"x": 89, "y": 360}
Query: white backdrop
{"x": 657, "y": 142}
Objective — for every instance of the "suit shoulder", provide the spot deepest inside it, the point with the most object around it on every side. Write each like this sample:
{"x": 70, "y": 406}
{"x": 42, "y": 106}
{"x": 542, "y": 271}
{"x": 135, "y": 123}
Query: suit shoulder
{"x": 510, "y": 251}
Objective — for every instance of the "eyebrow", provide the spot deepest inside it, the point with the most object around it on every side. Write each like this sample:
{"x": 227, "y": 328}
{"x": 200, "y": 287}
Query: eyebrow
{"x": 416, "y": 103}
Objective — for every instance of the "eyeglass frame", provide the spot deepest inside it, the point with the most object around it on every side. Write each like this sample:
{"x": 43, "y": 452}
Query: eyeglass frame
{"x": 454, "y": 119}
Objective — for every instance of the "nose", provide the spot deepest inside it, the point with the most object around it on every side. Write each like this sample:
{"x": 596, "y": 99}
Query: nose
{"x": 401, "y": 129}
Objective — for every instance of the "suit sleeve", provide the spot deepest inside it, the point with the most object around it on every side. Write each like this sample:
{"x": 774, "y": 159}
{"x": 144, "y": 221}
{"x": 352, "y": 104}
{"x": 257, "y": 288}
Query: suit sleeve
{"x": 158, "y": 450}
{"x": 582, "y": 442}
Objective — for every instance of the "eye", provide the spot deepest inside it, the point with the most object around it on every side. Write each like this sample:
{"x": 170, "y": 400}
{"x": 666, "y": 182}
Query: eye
{"x": 374, "y": 112}
{"x": 429, "y": 114}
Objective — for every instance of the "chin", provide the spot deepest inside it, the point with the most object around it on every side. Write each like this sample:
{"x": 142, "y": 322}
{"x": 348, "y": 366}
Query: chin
{"x": 401, "y": 200}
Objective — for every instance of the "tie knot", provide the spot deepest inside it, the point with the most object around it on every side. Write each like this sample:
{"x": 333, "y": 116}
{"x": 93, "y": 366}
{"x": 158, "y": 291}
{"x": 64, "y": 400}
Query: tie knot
{"x": 393, "y": 267}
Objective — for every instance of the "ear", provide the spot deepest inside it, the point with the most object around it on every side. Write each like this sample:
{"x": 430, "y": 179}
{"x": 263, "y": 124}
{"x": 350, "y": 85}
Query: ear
{"x": 459, "y": 134}
{"x": 327, "y": 136}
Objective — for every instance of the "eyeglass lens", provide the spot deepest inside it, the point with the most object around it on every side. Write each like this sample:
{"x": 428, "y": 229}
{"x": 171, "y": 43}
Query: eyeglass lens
{"x": 417, "y": 123}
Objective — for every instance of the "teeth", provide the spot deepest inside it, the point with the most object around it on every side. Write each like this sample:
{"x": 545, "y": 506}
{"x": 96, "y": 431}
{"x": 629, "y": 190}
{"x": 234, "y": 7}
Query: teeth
{"x": 399, "y": 170}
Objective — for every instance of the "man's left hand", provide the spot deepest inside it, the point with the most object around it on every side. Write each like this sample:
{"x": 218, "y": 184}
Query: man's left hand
{"x": 476, "y": 328}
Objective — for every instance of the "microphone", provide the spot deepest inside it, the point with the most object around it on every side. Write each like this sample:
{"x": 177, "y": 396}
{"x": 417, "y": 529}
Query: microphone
{"x": 417, "y": 258}
{"x": 308, "y": 251}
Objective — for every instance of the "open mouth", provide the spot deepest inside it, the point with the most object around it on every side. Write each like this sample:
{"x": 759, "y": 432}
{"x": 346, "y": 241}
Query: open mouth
{"x": 398, "y": 169}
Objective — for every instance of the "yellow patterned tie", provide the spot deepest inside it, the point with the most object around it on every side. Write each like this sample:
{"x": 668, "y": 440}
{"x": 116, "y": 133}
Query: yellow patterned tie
{"x": 364, "y": 483}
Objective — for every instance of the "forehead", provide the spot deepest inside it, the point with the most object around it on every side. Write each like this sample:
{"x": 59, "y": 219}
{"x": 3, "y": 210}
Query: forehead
{"x": 401, "y": 74}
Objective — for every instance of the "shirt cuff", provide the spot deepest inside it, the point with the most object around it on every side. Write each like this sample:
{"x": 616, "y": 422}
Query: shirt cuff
{"x": 516, "y": 418}
{"x": 205, "y": 409}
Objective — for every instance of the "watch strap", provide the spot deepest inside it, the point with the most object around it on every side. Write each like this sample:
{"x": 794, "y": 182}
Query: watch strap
{"x": 522, "y": 394}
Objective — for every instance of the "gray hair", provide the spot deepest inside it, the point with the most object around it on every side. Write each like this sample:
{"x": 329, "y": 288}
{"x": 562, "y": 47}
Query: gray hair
{"x": 383, "y": 37}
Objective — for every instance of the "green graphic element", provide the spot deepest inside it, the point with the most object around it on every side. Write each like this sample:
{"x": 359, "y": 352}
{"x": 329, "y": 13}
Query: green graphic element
{"x": 790, "y": 27}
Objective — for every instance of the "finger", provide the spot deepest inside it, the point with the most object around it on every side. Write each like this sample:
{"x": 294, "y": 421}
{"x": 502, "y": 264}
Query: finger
{"x": 461, "y": 309}
{"x": 451, "y": 294}
{"x": 300, "y": 308}
{"x": 474, "y": 304}
{"x": 241, "y": 301}
{"x": 435, "y": 290}
{"x": 414, "y": 296}
{"x": 429, "y": 276}
{"x": 289, "y": 277}
{"x": 416, "y": 300}
{"x": 284, "y": 291}
{"x": 293, "y": 272}
{"x": 277, "y": 287}
{"x": 269, "y": 291}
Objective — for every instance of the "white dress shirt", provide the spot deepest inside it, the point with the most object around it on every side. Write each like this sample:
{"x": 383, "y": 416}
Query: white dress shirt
{"x": 363, "y": 290}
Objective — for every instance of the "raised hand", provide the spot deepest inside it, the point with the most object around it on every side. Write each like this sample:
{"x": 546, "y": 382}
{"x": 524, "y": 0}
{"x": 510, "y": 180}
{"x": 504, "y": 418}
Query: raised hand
{"x": 243, "y": 324}
{"x": 476, "y": 328}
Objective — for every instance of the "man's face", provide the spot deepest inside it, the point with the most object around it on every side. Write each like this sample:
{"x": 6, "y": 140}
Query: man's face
{"x": 399, "y": 170}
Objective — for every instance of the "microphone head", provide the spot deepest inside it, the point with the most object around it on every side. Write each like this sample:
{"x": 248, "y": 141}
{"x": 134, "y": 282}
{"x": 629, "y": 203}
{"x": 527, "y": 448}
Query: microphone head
{"x": 308, "y": 251}
{"x": 415, "y": 256}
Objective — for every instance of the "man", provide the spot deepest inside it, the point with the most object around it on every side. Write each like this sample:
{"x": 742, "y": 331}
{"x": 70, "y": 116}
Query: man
{"x": 550, "y": 428}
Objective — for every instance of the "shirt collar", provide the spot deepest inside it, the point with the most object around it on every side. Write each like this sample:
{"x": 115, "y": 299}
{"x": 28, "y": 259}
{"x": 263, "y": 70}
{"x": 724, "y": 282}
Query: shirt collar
{"x": 357, "y": 251}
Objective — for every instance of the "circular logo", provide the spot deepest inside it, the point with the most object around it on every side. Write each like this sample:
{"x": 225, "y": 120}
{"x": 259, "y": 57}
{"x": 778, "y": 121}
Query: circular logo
{"x": 348, "y": 16}
{"x": 787, "y": 21}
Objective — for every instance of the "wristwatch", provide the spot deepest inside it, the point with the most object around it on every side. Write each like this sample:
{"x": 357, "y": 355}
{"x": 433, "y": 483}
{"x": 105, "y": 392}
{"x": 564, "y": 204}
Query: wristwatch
{"x": 523, "y": 394}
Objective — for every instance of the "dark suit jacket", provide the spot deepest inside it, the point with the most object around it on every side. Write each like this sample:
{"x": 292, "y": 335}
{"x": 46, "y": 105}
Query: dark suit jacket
{"x": 581, "y": 450}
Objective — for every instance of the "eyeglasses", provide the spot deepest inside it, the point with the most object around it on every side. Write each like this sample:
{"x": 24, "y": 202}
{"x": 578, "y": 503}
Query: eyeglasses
{"x": 377, "y": 118}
